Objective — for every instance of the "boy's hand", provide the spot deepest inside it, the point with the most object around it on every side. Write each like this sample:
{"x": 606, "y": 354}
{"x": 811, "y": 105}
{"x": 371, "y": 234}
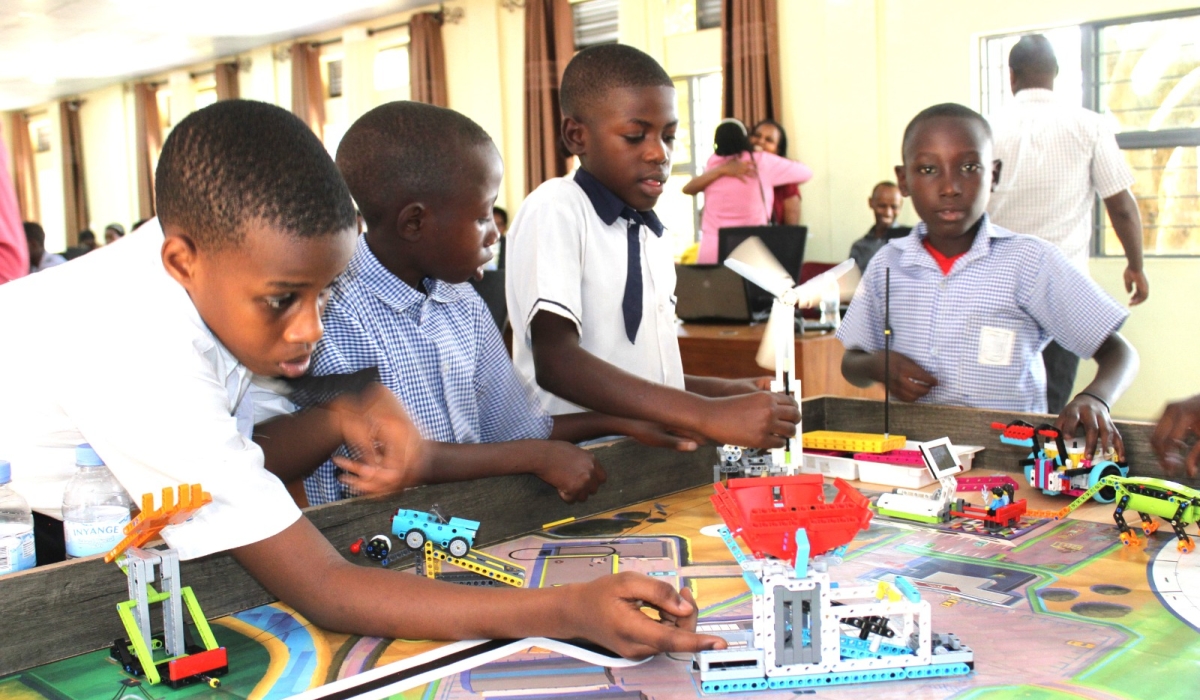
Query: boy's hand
{"x": 655, "y": 435}
{"x": 760, "y": 419}
{"x": 1180, "y": 418}
{"x": 573, "y": 471}
{"x": 608, "y": 611}
{"x": 387, "y": 450}
{"x": 1136, "y": 285}
{"x": 1090, "y": 414}
{"x": 909, "y": 381}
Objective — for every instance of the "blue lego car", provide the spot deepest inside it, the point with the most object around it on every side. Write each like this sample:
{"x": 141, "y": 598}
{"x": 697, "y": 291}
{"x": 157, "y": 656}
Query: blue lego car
{"x": 456, "y": 536}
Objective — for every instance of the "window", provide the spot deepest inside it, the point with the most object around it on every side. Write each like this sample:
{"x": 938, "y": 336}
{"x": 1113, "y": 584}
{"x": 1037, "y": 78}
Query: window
{"x": 390, "y": 74}
{"x": 1147, "y": 77}
{"x": 337, "y": 116}
{"x": 683, "y": 16}
{"x": 708, "y": 14}
{"x": 595, "y": 22}
{"x": 204, "y": 90}
{"x": 1143, "y": 74}
{"x": 699, "y": 110}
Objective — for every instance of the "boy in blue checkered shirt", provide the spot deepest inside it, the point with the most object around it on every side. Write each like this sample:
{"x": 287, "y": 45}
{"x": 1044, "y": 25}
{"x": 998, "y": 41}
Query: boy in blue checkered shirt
{"x": 973, "y": 304}
{"x": 425, "y": 180}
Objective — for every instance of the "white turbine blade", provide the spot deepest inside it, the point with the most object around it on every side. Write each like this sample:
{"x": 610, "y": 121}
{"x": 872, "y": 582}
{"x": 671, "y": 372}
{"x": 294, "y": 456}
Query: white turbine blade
{"x": 810, "y": 292}
{"x": 780, "y": 313}
{"x": 754, "y": 261}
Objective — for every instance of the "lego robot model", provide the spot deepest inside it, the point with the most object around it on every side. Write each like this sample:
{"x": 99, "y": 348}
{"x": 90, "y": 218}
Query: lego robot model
{"x": 755, "y": 262}
{"x": 180, "y": 664}
{"x": 921, "y": 506}
{"x": 1050, "y": 468}
{"x": 1175, "y": 503}
{"x": 809, "y": 631}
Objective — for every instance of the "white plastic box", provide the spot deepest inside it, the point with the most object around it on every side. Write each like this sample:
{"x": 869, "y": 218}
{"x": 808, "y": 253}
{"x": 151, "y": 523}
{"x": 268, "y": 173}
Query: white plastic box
{"x": 909, "y": 476}
{"x": 829, "y": 465}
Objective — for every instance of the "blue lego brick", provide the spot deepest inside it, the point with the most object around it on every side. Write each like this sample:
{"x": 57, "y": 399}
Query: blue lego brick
{"x": 872, "y": 676}
{"x": 855, "y": 648}
{"x": 734, "y": 686}
{"x": 1014, "y": 441}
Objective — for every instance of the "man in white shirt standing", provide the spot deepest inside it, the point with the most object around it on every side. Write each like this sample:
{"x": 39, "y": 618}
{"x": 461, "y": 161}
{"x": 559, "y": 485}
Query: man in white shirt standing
{"x": 1056, "y": 158}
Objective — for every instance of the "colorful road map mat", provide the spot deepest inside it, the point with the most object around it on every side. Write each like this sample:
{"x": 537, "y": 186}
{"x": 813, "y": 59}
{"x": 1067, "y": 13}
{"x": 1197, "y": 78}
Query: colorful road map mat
{"x": 1064, "y": 611}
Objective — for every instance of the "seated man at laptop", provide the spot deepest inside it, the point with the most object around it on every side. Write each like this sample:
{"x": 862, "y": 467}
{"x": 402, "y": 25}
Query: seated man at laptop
{"x": 885, "y": 202}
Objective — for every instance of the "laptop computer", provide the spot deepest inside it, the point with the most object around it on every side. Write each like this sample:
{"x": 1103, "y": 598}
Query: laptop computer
{"x": 785, "y": 242}
{"x": 710, "y": 294}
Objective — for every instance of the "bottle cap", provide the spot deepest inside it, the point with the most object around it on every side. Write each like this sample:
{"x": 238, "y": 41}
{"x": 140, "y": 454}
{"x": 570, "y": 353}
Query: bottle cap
{"x": 5, "y": 472}
{"x": 85, "y": 456}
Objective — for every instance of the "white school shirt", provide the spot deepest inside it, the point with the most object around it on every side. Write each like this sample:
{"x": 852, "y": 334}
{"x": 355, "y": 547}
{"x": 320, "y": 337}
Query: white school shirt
{"x": 111, "y": 351}
{"x": 563, "y": 258}
{"x": 1056, "y": 157}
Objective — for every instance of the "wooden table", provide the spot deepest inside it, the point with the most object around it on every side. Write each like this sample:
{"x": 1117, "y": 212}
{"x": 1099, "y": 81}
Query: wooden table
{"x": 712, "y": 350}
{"x": 69, "y": 608}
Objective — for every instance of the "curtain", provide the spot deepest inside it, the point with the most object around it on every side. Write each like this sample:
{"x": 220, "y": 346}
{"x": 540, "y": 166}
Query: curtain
{"x": 226, "y": 75}
{"x": 24, "y": 169}
{"x": 74, "y": 179}
{"x": 308, "y": 92}
{"x": 549, "y": 45}
{"x": 427, "y": 59}
{"x": 750, "y": 60}
{"x": 149, "y": 144}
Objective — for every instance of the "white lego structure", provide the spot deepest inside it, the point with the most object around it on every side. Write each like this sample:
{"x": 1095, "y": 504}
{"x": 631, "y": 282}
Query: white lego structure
{"x": 753, "y": 261}
{"x": 933, "y": 507}
{"x": 810, "y": 632}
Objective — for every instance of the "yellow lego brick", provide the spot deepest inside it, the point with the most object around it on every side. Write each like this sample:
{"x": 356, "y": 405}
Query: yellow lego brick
{"x": 836, "y": 441}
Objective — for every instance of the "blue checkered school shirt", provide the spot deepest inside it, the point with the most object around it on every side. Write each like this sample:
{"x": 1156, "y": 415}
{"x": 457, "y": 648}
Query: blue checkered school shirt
{"x": 981, "y": 329}
{"x": 440, "y": 353}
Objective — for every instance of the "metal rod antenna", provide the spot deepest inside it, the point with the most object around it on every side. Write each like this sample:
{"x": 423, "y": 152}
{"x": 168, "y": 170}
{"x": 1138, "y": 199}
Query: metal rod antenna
{"x": 887, "y": 350}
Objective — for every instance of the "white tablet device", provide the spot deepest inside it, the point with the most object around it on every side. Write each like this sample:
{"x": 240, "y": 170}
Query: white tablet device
{"x": 940, "y": 457}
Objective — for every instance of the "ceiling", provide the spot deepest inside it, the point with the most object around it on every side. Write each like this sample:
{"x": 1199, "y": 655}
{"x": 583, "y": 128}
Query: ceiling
{"x": 56, "y": 48}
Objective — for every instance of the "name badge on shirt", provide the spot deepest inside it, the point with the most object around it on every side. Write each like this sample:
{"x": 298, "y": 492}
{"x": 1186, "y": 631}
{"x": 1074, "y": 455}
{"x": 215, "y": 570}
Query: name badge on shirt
{"x": 996, "y": 346}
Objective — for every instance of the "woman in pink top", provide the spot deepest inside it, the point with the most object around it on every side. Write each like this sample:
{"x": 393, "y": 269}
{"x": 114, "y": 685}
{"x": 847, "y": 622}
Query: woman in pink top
{"x": 744, "y": 191}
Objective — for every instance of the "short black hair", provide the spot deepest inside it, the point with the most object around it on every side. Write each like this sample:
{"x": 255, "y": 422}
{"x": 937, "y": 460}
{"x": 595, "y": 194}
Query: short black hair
{"x": 34, "y": 232}
{"x": 502, "y": 213}
{"x": 598, "y": 69}
{"x": 883, "y": 183}
{"x": 730, "y": 138}
{"x": 87, "y": 235}
{"x": 1033, "y": 55}
{"x": 951, "y": 110}
{"x": 781, "y": 149}
{"x": 238, "y": 161}
{"x": 405, "y": 150}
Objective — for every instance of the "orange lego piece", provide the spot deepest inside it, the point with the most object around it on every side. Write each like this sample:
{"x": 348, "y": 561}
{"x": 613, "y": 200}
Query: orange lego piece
{"x": 151, "y": 521}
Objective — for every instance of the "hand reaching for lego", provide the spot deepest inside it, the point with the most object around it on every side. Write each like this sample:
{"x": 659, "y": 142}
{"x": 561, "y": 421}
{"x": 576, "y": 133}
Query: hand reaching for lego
{"x": 760, "y": 419}
{"x": 1178, "y": 421}
{"x": 1091, "y": 415}
{"x": 655, "y": 435}
{"x": 608, "y": 611}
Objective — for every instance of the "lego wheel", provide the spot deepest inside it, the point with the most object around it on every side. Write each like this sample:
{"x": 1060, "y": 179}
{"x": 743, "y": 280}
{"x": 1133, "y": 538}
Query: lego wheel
{"x": 1108, "y": 494}
{"x": 414, "y": 539}
{"x": 1185, "y": 546}
{"x": 214, "y": 682}
{"x": 459, "y": 547}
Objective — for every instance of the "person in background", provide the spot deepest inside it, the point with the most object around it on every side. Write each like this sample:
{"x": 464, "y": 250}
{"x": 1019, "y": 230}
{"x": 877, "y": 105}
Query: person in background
{"x": 1057, "y": 157}
{"x": 39, "y": 259}
{"x": 87, "y": 243}
{"x": 14, "y": 251}
{"x": 885, "y": 202}
{"x": 113, "y": 232}
{"x": 1179, "y": 422}
{"x": 768, "y": 136}
{"x": 500, "y": 218}
{"x": 745, "y": 199}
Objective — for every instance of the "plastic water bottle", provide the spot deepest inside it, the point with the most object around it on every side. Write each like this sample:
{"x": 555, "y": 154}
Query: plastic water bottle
{"x": 95, "y": 507}
{"x": 16, "y": 527}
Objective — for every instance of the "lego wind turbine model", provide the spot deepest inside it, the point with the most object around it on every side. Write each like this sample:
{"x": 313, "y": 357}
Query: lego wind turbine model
{"x": 755, "y": 262}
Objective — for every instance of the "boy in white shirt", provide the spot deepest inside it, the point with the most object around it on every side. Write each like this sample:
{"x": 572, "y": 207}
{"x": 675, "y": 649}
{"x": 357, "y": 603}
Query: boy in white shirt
{"x": 255, "y": 224}
{"x": 591, "y": 281}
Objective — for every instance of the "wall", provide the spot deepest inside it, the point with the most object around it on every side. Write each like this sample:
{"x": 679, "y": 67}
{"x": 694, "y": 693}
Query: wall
{"x": 106, "y": 119}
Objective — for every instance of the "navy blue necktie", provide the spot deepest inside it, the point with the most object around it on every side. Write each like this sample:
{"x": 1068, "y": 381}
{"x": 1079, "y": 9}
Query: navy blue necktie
{"x": 631, "y": 304}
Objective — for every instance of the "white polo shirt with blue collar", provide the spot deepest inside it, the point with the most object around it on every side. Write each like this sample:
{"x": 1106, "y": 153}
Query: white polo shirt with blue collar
{"x": 568, "y": 254}
{"x": 980, "y": 329}
{"x": 439, "y": 352}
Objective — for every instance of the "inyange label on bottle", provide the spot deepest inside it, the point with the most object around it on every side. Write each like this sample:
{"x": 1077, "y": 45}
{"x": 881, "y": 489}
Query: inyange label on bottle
{"x": 96, "y": 537}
